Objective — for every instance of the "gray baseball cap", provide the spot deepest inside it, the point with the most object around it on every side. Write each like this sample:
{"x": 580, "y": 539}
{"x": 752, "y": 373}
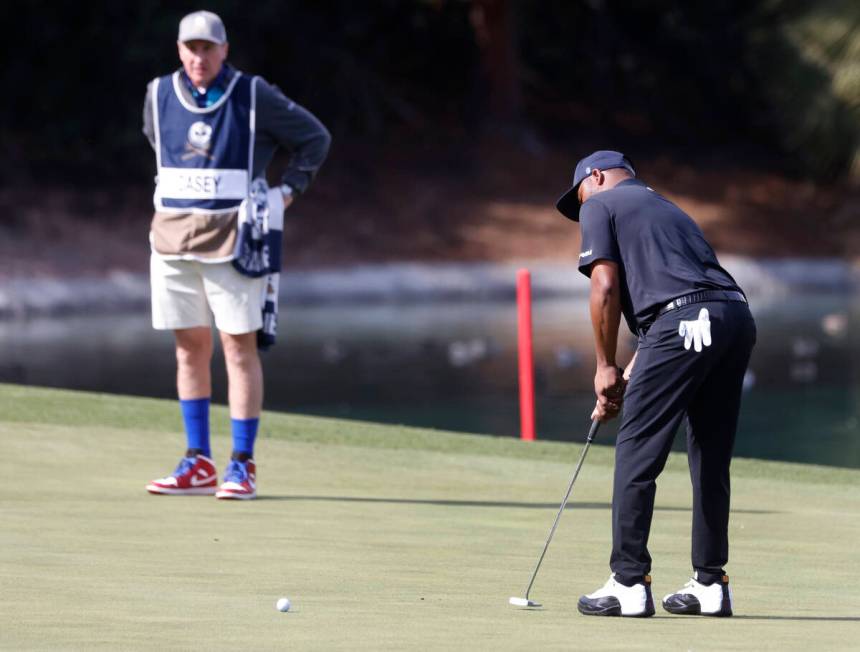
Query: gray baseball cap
{"x": 202, "y": 26}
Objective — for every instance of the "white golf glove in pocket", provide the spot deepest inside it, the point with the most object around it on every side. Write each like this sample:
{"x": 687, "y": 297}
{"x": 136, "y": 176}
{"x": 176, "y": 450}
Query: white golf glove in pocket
{"x": 696, "y": 332}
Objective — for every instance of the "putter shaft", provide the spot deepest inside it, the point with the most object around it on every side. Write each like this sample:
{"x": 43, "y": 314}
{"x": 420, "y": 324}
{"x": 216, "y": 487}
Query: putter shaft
{"x": 595, "y": 424}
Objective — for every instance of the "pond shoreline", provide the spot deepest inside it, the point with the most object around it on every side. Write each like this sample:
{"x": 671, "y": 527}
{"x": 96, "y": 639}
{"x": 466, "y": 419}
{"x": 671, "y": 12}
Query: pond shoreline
{"x": 121, "y": 291}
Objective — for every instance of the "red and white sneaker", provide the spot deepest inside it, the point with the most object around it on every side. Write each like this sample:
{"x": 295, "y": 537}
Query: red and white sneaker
{"x": 195, "y": 476}
{"x": 240, "y": 481}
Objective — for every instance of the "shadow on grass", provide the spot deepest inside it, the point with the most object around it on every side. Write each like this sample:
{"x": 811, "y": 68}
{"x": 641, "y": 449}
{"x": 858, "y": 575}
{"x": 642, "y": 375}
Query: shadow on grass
{"x": 838, "y": 619}
{"x": 480, "y": 503}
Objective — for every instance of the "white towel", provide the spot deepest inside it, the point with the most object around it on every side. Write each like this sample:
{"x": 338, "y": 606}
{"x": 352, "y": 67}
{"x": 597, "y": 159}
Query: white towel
{"x": 258, "y": 250}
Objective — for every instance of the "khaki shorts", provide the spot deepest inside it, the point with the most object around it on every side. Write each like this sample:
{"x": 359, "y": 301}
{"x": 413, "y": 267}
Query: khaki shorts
{"x": 184, "y": 292}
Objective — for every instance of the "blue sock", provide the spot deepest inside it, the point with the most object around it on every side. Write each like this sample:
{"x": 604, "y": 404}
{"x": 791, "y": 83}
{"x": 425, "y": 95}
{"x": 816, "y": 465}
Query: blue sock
{"x": 244, "y": 434}
{"x": 195, "y": 412}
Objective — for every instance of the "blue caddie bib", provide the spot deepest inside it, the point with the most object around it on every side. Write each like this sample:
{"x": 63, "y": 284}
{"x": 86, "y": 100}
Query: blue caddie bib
{"x": 205, "y": 156}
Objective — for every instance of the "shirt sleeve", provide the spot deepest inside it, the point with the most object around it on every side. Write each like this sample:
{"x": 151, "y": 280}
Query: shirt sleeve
{"x": 148, "y": 122}
{"x": 297, "y": 130}
{"x": 598, "y": 237}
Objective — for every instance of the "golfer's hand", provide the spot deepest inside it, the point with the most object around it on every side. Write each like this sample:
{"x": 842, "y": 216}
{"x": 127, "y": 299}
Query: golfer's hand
{"x": 628, "y": 370}
{"x": 288, "y": 199}
{"x": 609, "y": 387}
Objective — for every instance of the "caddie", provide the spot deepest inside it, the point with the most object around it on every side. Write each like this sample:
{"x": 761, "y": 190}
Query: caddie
{"x": 214, "y": 130}
{"x": 649, "y": 261}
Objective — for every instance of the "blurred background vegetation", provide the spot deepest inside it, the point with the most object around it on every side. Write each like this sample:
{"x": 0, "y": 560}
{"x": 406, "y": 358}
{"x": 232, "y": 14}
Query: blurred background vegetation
{"x": 769, "y": 82}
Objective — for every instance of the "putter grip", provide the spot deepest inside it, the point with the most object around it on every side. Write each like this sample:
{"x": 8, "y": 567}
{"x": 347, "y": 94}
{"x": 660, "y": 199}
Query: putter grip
{"x": 592, "y": 433}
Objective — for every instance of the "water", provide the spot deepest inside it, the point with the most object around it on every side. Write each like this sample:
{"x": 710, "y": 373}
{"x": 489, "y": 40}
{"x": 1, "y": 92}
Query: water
{"x": 453, "y": 366}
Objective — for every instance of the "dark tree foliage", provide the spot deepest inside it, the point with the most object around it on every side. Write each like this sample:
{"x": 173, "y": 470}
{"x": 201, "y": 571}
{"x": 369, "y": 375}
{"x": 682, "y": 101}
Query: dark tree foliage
{"x": 661, "y": 74}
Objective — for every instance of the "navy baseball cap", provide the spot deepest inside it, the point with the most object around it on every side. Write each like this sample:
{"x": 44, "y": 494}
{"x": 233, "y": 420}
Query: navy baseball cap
{"x": 604, "y": 159}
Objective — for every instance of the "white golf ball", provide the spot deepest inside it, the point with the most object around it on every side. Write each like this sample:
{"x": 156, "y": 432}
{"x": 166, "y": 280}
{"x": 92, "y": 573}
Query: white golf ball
{"x": 283, "y": 604}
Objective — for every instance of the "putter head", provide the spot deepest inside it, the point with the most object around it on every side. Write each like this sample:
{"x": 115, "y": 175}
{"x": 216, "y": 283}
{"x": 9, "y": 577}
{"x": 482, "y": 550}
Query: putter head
{"x": 523, "y": 602}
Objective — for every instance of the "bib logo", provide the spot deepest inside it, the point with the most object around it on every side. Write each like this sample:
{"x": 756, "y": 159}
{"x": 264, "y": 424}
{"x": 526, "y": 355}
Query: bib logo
{"x": 199, "y": 140}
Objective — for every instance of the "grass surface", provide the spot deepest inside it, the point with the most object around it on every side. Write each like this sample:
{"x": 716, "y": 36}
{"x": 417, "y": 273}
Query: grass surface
{"x": 384, "y": 538}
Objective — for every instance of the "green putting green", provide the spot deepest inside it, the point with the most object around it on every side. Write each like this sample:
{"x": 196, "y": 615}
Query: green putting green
{"x": 383, "y": 537}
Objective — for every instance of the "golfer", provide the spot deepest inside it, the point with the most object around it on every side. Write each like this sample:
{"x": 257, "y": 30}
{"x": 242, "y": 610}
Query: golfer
{"x": 650, "y": 262}
{"x": 214, "y": 130}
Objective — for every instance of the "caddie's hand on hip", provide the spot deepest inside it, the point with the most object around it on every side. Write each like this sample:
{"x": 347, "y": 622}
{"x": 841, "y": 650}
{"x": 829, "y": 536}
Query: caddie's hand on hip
{"x": 697, "y": 331}
{"x": 286, "y": 193}
{"x": 277, "y": 200}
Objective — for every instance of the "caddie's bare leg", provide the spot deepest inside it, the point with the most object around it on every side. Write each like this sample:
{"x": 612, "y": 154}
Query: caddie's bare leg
{"x": 244, "y": 374}
{"x": 193, "y": 356}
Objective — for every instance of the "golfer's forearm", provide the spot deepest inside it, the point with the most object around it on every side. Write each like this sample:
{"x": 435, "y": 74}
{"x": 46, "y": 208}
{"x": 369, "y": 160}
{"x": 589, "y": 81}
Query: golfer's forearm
{"x": 605, "y": 307}
{"x": 605, "y": 318}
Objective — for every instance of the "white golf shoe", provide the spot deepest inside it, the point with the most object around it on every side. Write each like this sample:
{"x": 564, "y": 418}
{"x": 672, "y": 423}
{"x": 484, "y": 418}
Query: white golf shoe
{"x": 696, "y": 599}
{"x": 615, "y": 599}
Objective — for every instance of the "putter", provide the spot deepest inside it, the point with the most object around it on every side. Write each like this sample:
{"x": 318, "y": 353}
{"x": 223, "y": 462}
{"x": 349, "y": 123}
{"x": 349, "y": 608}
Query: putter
{"x": 525, "y": 601}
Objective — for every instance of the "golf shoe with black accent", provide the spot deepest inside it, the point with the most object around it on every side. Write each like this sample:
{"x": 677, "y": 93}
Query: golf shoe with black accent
{"x": 616, "y": 599}
{"x": 696, "y": 599}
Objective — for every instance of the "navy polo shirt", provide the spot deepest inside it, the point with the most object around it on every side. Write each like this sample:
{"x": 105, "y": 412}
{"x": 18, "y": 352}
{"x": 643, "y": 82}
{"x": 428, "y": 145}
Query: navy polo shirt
{"x": 660, "y": 251}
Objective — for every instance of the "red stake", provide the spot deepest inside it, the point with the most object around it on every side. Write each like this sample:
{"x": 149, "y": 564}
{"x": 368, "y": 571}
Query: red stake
{"x": 527, "y": 382}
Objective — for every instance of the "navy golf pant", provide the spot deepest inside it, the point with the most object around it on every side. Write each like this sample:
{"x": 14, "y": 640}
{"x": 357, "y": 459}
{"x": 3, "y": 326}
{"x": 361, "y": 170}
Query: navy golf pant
{"x": 669, "y": 384}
